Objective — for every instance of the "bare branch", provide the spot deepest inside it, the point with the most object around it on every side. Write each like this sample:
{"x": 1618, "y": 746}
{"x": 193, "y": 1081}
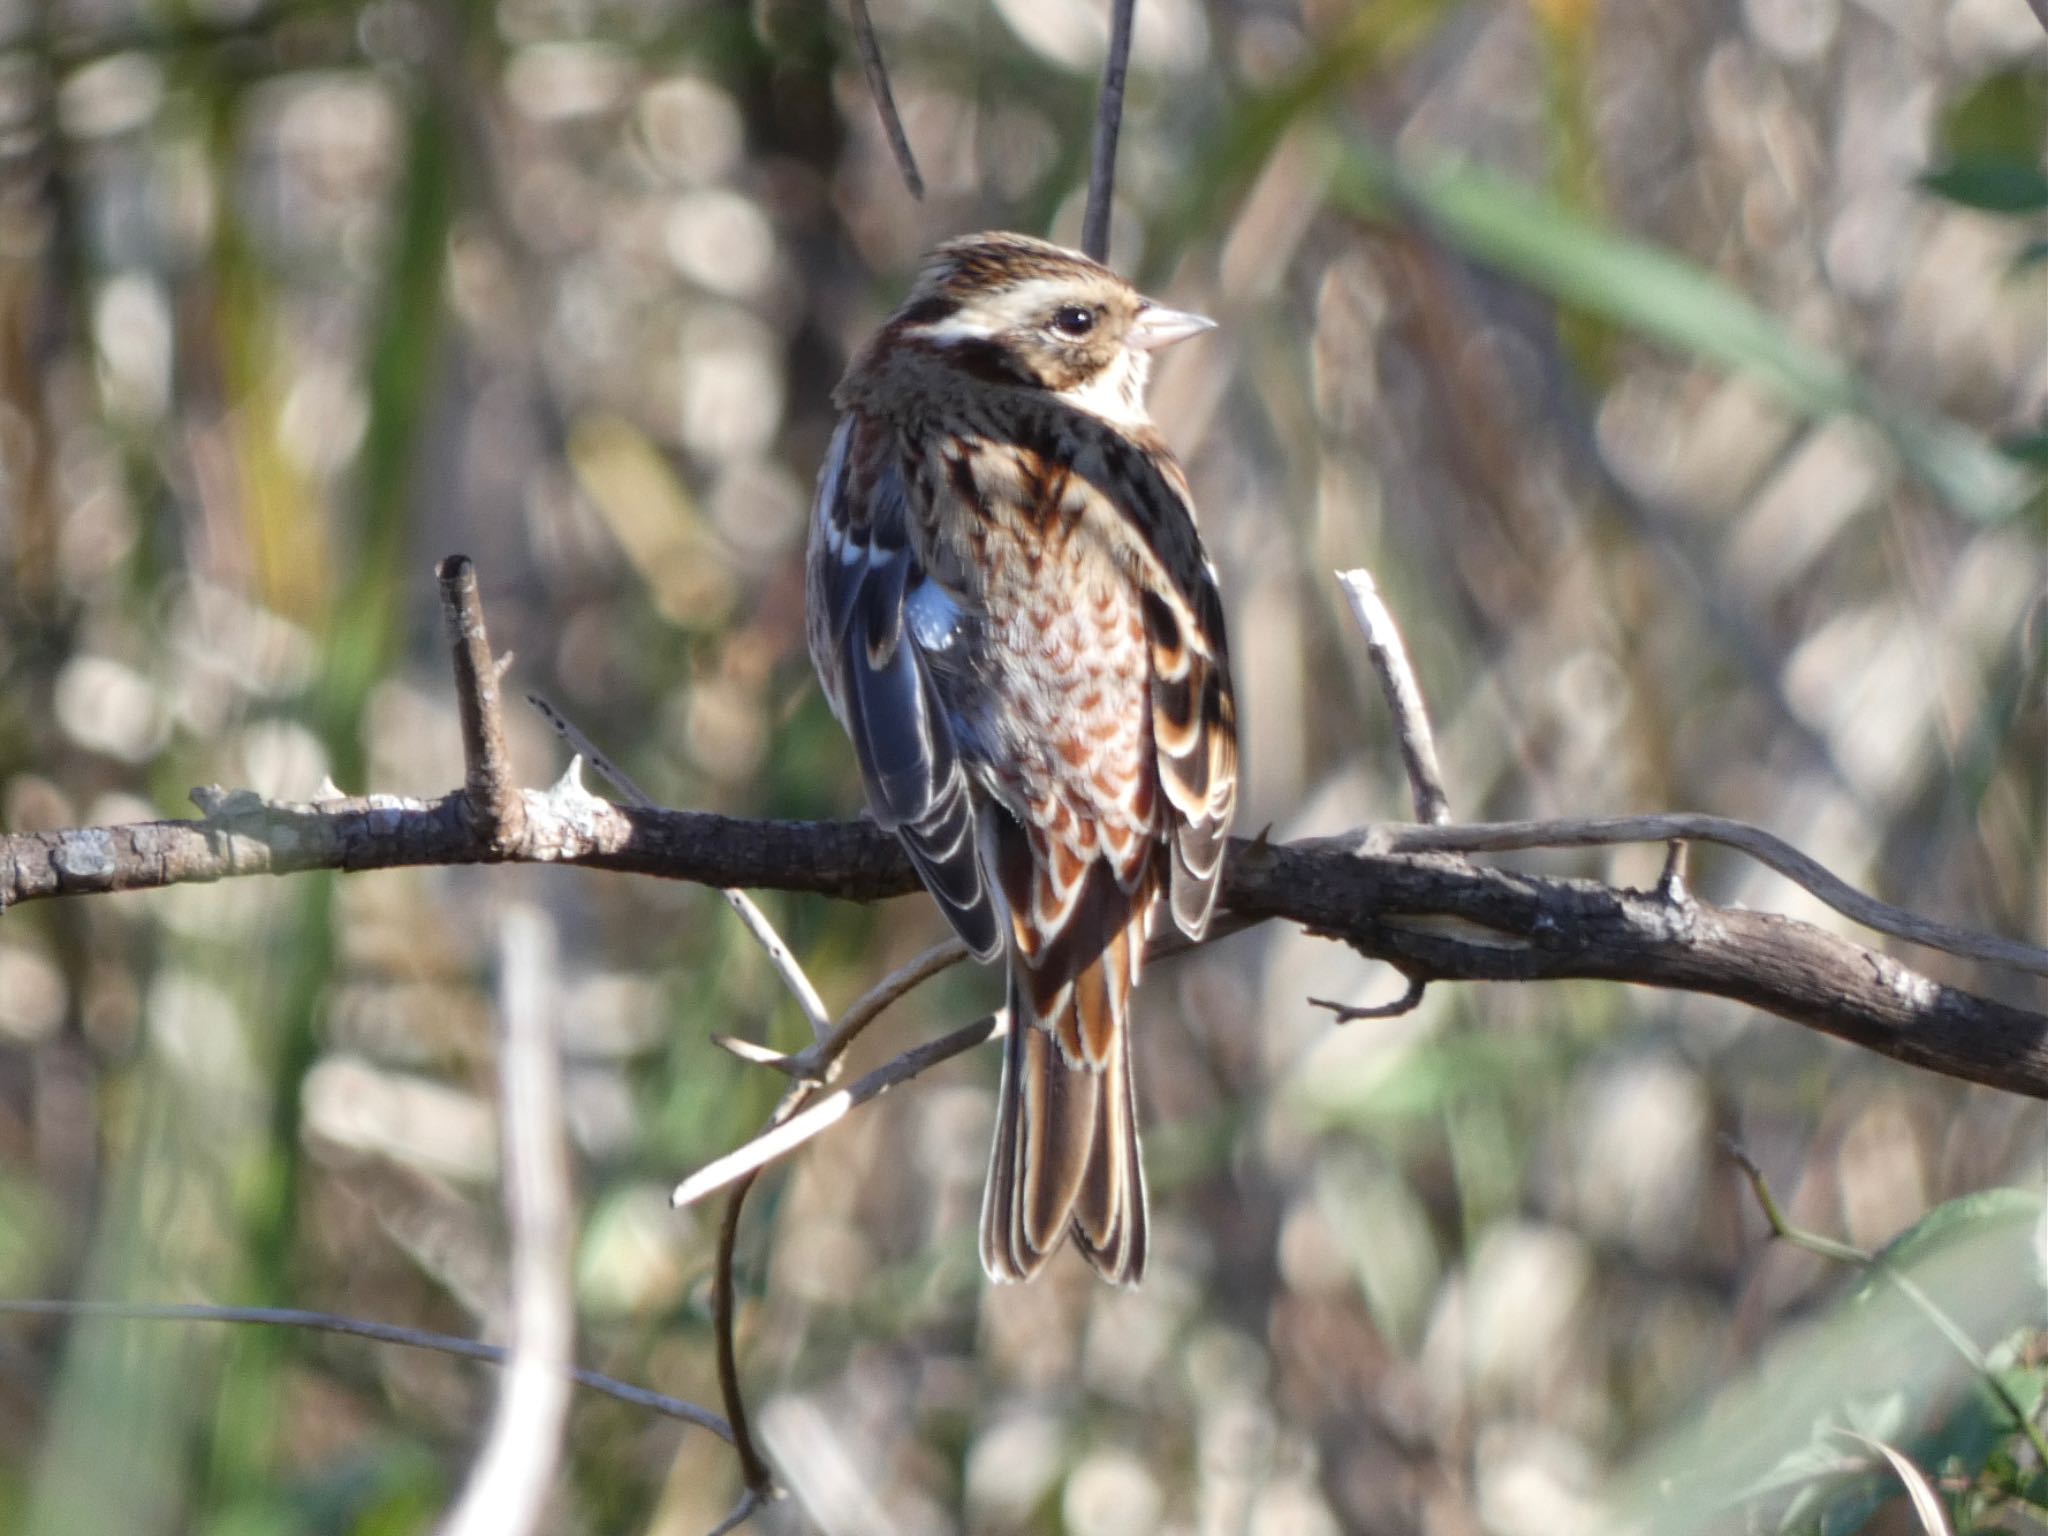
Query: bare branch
{"x": 1409, "y": 1000}
{"x": 508, "y": 1485}
{"x": 1346, "y": 888}
{"x": 1671, "y": 879}
{"x": 751, "y": 1502}
{"x": 748, "y": 910}
{"x": 759, "y": 1481}
{"x": 1389, "y": 658}
{"x": 785, "y": 1135}
{"x": 1766, "y": 849}
{"x": 783, "y": 959}
{"x": 493, "y": 797}
{"x": 1109, "y": 117}
{"x": 1537, "y": 928}
{"x": 1389, "y": 905}
{"x": 796, "y": 1120}
{"x": 583, "y": 747}
{"x": 885, "y": 99}
{"x": 359, "y": 1328}
{"x": 821, "y": 1061}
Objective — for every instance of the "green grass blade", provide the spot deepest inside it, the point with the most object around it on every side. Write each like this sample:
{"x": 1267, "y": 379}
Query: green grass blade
{"x": 1530, "y": 236}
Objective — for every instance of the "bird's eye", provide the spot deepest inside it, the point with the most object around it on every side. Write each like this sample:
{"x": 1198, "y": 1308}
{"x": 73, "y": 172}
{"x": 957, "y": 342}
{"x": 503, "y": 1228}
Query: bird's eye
{"x": 1073, "y": 321}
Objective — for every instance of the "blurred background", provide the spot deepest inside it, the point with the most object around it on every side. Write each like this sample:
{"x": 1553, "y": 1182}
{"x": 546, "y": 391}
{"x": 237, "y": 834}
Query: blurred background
{"x": 1680, "y": 370}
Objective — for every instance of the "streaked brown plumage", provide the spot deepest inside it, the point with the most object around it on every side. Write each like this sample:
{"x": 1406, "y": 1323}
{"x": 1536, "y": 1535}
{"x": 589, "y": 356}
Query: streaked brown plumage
{"x": 1012, "y": 614}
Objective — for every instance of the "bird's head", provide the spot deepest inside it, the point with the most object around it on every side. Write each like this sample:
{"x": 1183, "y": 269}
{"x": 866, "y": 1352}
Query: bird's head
{"x": 1008, "y": 309}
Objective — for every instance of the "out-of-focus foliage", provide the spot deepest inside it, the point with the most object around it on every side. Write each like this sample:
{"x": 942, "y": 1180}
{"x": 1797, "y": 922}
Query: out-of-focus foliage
{"x": 1680, "y": 370}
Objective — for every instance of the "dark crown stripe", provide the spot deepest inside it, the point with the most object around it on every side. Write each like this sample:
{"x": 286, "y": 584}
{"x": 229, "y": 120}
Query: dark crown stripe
{"x": 929, "y": 310}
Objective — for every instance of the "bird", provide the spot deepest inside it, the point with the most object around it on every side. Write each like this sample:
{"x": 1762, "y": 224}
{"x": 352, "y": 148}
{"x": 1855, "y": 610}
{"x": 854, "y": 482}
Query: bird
{"x": 1013, "y": 617}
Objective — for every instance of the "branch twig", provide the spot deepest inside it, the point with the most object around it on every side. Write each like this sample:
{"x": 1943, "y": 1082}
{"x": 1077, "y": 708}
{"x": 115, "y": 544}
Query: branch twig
{"x": 1409, "y": 1000}
{"x": 885, "y": 98}
{"x": 758, "y": 1480}
{"x": 1389, "y": 658}
{"x": 1109, "y": 117}
{"x": 1350, "y": 888}
{"x": 744, "y": 906}
{"x": 786, "y": 1134}
{"x": 1684, "y": 826}
{"x": 819, "y": 1061}
{"x": 1353, "y": 888}
{"x": 487, "y": 781}
{"x": 359, "y": 1328}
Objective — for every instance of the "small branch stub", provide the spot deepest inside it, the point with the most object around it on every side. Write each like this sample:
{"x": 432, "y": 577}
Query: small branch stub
{"x": 493, "y": 797}
{"x": 1389, "y": 659}
{"x": 1409, "y": 1000}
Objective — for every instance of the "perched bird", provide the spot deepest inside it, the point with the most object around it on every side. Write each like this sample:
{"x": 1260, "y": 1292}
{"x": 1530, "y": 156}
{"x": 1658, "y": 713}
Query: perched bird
{"x": 1014, "y": 619}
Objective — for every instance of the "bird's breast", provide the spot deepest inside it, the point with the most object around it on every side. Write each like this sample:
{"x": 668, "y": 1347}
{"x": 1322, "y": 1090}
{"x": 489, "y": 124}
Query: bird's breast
{"x": 1066, "y": 696}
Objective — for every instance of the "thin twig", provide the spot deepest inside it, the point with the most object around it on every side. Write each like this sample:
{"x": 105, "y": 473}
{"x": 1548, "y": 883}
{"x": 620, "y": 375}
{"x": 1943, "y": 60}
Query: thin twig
{"x": 493, "y": 796}
{"x": 508, "y": 1485}
{"x": 724, "y": 1309}
{"x": 782, "y": 959}
{"x": 796, "y": 1120}
{"x": 786, "y": 1134}
{"x": 1389, "y": 656}
{"x": 1877, "y": 1264}
{"x": 820, "y": 1061}
{"x": 751, "y": 1502}
{"x": 756, "y": 922}
{"x": 580, "y": 744}
{"x": 885, "y": 99}
{"x": 1671, "y": 879}
{"x": 1407, "y": 1002}
{"x": 359, "y": 1328}
{"x": 1684, "y": 826}
{"x": 1109, "y": 118}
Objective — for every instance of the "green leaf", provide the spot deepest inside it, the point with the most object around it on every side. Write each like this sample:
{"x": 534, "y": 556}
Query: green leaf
{"x": 1994, "y": 183}
{"x": 2003, "y": 114}
{"x": 2007, "y": 1217}
{"x": 1668, "y": 299}
{"x": 2028, "y": 447}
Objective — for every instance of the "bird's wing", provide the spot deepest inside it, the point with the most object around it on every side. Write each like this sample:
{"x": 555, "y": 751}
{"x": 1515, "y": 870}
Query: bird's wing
{"x": 1194, "y": 713}
{"x": 863, "y": 570}
{"x": 1194, "y": 716}
{"x": 1194, "y": 735}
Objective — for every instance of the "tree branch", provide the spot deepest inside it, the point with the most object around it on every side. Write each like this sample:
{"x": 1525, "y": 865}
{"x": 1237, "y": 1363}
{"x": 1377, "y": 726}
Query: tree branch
{"x": 1387, "y": 892}
{"x": 362, "y": 1328}
{"x": 1678, "y": 828}
{"x": 1536, "y": 928}
{"x": 816, "y": 1116}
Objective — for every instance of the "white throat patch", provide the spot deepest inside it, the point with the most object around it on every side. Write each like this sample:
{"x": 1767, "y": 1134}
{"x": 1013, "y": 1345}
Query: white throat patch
{"x": 1117, "y": 394}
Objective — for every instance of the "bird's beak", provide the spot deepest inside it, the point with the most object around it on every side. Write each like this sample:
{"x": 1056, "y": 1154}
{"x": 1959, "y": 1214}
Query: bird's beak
{"x": 1158, "y": 326}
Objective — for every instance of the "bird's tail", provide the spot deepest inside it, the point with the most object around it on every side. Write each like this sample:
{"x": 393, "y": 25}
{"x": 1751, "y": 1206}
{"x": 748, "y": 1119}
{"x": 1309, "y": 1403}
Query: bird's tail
{"x": 1066, "y": 1147}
